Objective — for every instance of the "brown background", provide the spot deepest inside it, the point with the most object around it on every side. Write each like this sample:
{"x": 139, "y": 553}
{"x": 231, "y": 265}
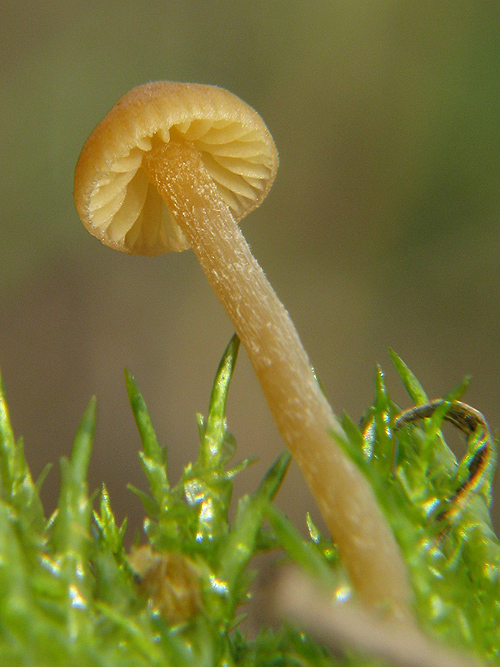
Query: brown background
{"x": 382, "y": 228}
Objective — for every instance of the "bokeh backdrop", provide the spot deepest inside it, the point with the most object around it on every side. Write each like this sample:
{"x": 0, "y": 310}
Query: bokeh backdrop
{"x": 382, "y": 229}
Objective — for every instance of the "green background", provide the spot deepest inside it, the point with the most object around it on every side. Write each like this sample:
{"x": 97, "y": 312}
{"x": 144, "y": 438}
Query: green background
{"x": 382, "y": 228}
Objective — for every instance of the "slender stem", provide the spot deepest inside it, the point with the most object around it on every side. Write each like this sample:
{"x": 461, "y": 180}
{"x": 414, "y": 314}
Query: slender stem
{"x": 302, "y": 414}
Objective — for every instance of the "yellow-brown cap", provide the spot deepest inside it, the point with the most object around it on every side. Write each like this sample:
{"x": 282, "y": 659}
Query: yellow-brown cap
{"x": 113, "y": 195}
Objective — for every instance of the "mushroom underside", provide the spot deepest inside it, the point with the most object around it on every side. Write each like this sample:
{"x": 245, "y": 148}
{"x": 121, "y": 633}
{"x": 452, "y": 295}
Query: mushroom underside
{"x": 123, "y": 196}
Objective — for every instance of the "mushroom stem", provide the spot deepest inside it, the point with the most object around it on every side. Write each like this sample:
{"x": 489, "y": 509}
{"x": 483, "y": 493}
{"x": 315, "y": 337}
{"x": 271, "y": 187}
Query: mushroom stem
{"x": 302, "y": 414}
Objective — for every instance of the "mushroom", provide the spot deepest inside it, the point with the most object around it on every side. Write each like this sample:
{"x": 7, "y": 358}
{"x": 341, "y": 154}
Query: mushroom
{"x": 175, "y": 166}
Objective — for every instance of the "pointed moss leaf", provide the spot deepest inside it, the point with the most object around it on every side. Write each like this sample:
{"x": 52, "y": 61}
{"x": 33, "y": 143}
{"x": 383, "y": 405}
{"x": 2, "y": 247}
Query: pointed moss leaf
{"x": 24, "y": 492}
{"x": 110, "y": 533}
{"x": 352, "y": 431}
{"x": 208, "y": 494}
{"x": 325, "y": 546}
{"x": 13, "y": 566}
{"x": 435, "y": 422}
{"x": 266, "y": 540}
{"x": 386, "y": 442}
{"x": 312, "y": 529}
{"x": 412, "y": 385}
{"x": 354, "y": 444}
{"x": 144, "y": 424}
{"x": 206, "y": 485}
{"x": 201, "y": 645}
{"x": 70, "y": 535}
{"x": 239, "y": 467}
{"x": 433, "y": 436}
{"x": 150, "y": 505}
{"x": 43, "y": 476}
{"x": 241, "y": 543}
{"x": 215, "y": 440}
{"x": 70, "y": 538}
{"x": 134, "y": 635}
{"x": 176, "y": 533}
{"x": 16, "y": 484}
{"x": 457, "y": 392}
{"x": 306, "y": 651}
{"x": 318, "y": 380}
{"x": 112, "y": 579}
{"x": 157, "y": 478}
{"x": 7, "y": 441}
{"x": 303, "y": 553}
{"x": 153, "y": 459}
{"x": 200, "y": 422}
{"x": 274, "y": 477}
{"x": 84, "y": 441}
{"x": 71, "y": 524}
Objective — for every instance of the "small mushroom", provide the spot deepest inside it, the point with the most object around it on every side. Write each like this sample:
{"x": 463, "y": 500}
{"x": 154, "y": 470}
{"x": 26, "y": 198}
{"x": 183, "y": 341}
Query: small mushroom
{"x": 170, "y": 581}
{"x": 175, "y": 166}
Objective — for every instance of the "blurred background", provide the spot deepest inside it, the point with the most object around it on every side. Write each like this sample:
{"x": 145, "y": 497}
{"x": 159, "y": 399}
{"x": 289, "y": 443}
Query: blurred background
{"x": 382, "y": 229}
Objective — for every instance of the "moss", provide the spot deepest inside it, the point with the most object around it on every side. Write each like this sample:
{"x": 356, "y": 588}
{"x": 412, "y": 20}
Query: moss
{"x": 70, "y": 593}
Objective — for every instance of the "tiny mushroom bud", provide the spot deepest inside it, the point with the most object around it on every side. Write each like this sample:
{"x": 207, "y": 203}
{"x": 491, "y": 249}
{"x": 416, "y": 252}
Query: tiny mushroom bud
{"x": 169, "y": 581}
{"x": 174, "y": 166}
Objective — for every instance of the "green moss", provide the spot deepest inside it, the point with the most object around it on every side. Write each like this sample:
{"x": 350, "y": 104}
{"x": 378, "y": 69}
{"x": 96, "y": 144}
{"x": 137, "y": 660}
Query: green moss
{"x": 70, "y": 595}
{"x": 453, "y": 556}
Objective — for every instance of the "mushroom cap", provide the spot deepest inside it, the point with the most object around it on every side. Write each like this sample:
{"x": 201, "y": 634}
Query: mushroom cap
{"x": 116, "y": 201}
